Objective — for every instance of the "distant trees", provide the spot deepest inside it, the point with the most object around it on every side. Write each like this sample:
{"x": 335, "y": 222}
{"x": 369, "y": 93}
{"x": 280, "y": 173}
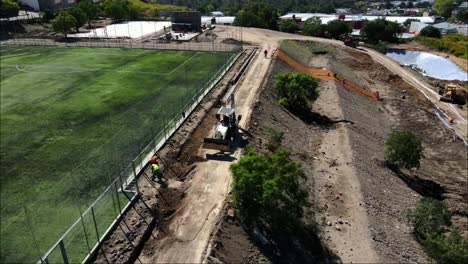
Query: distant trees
{"x": 63, "y": 23}
{"x": 91, "y": 10}
{"x": 431, "y": 32}
{"x": 289, "y": 26}
{"x": 337, "y": 28}
{"x": 295, "y": 90}
{"x": 403, "y": 149}
{"x": 268, "y": 187}
{"x": 259, "y": 15}
{"x": 80, "y": 17}
{"x": 116, "y": 9}
{"x": 8, "y": 8}
{"x": 444, "y": 7}
{"x": 314, "y": 27}
{"x": 381, "y": 30}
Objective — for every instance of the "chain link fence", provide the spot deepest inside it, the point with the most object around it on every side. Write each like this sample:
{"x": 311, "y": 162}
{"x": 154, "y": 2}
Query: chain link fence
{"x": 100, "y": 188}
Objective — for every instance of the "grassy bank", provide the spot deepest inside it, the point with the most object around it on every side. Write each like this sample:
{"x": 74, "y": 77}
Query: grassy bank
{"x": 455, "y": 44}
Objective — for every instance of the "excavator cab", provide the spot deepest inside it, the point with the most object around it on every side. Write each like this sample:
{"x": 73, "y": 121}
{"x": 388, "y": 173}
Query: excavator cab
{"x": 450, "y": 94}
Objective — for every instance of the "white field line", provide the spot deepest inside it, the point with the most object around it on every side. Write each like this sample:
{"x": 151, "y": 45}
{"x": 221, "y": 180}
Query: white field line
{"x": 105, "y": 54}
{"x": 188, "y": 60}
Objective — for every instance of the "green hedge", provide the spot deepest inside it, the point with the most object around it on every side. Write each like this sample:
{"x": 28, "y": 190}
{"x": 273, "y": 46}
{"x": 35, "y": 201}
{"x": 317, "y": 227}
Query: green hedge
{"x": 455, "y": 44}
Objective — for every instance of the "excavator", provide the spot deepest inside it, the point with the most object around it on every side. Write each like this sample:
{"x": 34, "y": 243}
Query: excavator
{"x": 451, "y": 93}
{"x": 226, "y": 130}
{"x": 350, "y": 41}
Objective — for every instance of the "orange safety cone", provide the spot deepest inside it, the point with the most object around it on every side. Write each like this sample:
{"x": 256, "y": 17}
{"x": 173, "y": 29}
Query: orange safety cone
{"x": 451, "y": 120}
{"x": 377, "y": 95}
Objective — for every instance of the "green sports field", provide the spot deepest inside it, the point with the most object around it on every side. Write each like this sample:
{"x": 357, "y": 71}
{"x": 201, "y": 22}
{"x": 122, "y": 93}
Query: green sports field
{"x": 72, "y": 119}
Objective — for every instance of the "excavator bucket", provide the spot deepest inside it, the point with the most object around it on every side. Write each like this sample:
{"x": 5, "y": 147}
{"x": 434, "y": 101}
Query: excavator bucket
{"x": 216, "y": 144}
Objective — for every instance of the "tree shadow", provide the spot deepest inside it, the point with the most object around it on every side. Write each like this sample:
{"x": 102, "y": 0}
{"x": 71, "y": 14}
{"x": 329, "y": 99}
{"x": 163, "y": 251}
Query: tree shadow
{"x": 424, "y": 187}
{"x": 301, "y": 245}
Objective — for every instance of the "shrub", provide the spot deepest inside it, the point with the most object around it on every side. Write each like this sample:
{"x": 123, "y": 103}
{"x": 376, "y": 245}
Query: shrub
{"x": 276, "y": 138}
{"x": 336, "y": 28}
{"x": 454, "y": 43}
{"x": 260, "y": 15}
{"x": 289, "y": 26}
{"x": 380, "y": 47}
{"x": 450, "y": 248}
{"x": 267, "y": 187}
{"x": 429, "y": 216}
{"x": 8, "y": 8}
{"x": 295, "y": 90}
{"x": 403, "y": 149}
{"x": 313, "y": 27}
{"x": 381, "y": 30}
{"x": 431, "y": 32}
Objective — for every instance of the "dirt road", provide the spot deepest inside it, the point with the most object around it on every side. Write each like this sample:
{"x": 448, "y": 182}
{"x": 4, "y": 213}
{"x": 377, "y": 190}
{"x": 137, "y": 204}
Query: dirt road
{"x": 209, "y": 183}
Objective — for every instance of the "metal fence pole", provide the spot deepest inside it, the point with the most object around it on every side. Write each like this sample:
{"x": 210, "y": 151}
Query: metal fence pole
{"x": 63, "y": 251}
{"x": 28, "y": 220}
{"x": 84, "y": 229}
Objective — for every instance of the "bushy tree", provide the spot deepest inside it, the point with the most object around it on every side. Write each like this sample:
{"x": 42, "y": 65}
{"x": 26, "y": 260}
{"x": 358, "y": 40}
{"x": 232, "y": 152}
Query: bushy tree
{"x": 444, "y": 7}
{"x": 462, "y": 16}
{"x": 268, "y": 187}
{"x": 381, "y": 30}
{"x": 429, "y": 216}
{"x": 80, "y": 17}
{"x": 90, "y": 9}
{"x": 289, "y": 26}
{"x": 337, "y": 28}
{"x": 403, "y": 149}
{"x": 431, "y": 220}
{"x": 313, "y": 27}
{"x": 8, "y": 8}
{"x": 451, "y": 248}
{"x": 431, "y": 32}
{"x": 295, "y": 90}
{"x": 116, "y": 9}
{"x": 63, "y": 23}
{"x": 259, "y": 15}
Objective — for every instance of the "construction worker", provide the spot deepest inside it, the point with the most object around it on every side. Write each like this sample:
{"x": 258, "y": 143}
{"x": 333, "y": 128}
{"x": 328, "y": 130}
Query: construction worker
{"x": 266, "y": 53}
{"x": 156, "y": 171}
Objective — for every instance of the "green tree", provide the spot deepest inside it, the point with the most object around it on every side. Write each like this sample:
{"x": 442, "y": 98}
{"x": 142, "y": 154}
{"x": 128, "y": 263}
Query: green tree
{"x": 313, "y": 27}
{"x": 295, "y": 90}
{"x": 259, "y": 15}
{"x": 268, "y": 187}
{"x": 79, "y": 15}
{"x": 403, "y": 149}
{"x": 462, "y": 16}
{"x": 289, "y": 26}
{"x": 429, "y": 216}
{"x": 336, "y": 28}
{"x": 381, "y": 30}
{"x": 444, "y": 7}
{"x": 90, "y": 9}
{"x": 431, "y": 32}
{"x": 63, "y": 23}
{"x": 8, "y": 8}
{"x": 116, "y": 9}
{"x": 451, "y": 248}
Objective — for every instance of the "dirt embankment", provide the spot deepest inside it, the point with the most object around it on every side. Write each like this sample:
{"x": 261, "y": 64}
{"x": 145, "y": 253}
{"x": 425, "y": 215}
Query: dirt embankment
{"x": 359, "y": 203}
{"x": 444, "y": 169}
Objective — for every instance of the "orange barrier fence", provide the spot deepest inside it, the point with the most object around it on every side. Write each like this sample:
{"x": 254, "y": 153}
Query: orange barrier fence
{"x": 324, "y": 75}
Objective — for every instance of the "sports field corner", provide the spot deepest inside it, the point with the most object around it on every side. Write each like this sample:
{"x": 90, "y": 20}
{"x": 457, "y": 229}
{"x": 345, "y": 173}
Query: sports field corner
{"x": 73, "y": 120}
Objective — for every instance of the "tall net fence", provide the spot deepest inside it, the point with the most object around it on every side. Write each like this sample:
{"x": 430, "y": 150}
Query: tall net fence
{"x": 66, "y": 222}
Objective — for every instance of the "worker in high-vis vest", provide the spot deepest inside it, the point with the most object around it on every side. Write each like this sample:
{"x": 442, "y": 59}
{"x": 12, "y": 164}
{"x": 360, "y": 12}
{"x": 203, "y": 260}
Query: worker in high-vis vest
{"x": 156, "y": 171}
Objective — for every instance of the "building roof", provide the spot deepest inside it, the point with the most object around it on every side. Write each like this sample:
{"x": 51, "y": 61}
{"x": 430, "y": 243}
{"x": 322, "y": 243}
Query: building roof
{"x": 464, "y": 5}
{"x": 219, "y": 20}
{"x": 416, "y": 27}
{"x": 325, "y": 18}
{"x": 217, "y": 13}
{"x": 446, "y": 26}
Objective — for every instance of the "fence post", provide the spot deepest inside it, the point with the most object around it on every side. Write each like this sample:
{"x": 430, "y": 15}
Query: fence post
{"x": 84, "y": 229}
{"x": 63, "y": 251}
{"x": 28, "y": 220}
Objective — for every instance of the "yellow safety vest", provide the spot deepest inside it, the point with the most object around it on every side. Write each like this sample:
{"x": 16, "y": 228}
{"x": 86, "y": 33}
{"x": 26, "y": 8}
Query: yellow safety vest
{"x": 155, "y": 167}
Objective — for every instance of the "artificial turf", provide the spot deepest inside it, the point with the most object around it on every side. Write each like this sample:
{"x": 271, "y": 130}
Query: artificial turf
{"x": 72, "y": 119}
